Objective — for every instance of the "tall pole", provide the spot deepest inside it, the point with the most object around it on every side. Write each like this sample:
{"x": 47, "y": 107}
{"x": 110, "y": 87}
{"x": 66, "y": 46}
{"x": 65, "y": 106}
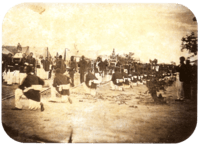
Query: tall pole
{"x": 65, "y": 55}
{"x": 47, "y": 53}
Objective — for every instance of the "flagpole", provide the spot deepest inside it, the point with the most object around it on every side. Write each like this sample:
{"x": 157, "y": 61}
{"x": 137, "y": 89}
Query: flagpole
{"x": 47, "y": 53}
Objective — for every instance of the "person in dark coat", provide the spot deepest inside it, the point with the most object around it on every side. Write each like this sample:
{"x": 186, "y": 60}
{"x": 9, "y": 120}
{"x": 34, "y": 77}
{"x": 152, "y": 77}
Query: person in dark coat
{"x": 83, "y": 66}
{"x": 115, "y": 76}
{"x": 61, "y": 79}
{"x": 106, "y": 66}
{"x": 22, "y": 63}
{"x": 117, "y": 81}
{"x": 61, "y": 85}
{"x": 30, "y": 87}
{"x": 31, "y": 61}
{"x": 46, "y": 66}
{"x": 90, "y": 77}
{"x": 73, "y": 69}
{"x": 126, "y": 77}
{"x": 60, "y": 64}
{"x": 102, "y": 67}
{"x": 188, "y": 79}
{"x": 9, "y": 62}
{"x": 182, "y": 75}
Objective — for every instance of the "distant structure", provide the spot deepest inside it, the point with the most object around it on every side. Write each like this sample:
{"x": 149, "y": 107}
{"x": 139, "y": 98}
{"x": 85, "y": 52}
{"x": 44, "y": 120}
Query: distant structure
{"x": 113, "y": 55}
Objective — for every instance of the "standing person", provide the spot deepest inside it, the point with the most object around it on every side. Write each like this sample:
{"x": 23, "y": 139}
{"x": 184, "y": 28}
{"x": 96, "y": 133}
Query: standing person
{"x": 30, "y": 88}
{"x": 102, "y": 67}
{"x": 46, "y": 65}
{"x": 188, "y": 78}
{"x": 9, "y": 62}
{"x": 22, "y": 62}
{"x": 83, "y": 65}
{"x": 31, "y": 61}
{"x": 72, "y": 70}
{"x": 181, "y": 69}
{"x": 106, "y": 66}
{"x": 61, "y": 64}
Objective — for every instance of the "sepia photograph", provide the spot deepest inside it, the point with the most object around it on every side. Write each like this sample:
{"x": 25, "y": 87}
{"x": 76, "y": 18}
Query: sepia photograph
{"x": 99, "y": 73}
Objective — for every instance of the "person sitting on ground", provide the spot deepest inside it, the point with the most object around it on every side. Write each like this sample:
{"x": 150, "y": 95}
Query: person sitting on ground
{"x": 91, "y": 83}
{"x": 117, "y": 80}
{"x": 126, "y": 77}
{"x": 61, "y": 86}
{"x": 30, "y": 88}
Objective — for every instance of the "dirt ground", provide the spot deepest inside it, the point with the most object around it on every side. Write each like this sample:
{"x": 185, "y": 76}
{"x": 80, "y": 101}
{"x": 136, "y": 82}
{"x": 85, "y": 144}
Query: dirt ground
{"x": 127, "y": 116}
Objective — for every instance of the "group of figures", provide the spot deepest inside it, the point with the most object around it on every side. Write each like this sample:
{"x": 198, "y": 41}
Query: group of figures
{"x": 31, "y": 74}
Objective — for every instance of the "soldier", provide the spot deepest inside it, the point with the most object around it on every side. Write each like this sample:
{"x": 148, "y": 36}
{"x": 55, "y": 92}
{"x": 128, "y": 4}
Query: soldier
{"x": 73, "y": 69}
{"x": 181, "y": 69}
{"x": 46, "y": 65}
{"x": 106, "y": 66}
{"x": 31, "y": 61}
{"x": 22, "y": 62}
{"x": 61, "y": 85}
{"x": 117, "y": 81}
{"x": 9, "y": 62}
{"x": 188, "y": 79}
{"x": 83, "y": 65}
{"x": 91, "y": 83}
{"x": 30, "y": 88}
{"x": 102, "y": 67}
{"x": 61, "y": 64}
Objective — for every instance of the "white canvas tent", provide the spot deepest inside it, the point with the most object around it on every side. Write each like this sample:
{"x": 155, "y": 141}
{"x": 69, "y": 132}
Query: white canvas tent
{"x": 40, "y": 51}
{"x": 5, "y": 51}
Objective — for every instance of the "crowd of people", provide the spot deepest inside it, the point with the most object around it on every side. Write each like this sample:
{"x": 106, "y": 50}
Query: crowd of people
{"x": 92, "y": 73}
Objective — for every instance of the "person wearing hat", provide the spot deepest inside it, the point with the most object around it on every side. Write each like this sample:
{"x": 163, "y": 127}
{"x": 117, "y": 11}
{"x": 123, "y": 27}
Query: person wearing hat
{"x": 181, "y": 74}
{"x": 61, "y": 86}
{"x": 30, "y": 89}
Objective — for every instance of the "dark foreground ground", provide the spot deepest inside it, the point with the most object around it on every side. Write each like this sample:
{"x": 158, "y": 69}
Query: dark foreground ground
{"x": 112, "y": 116}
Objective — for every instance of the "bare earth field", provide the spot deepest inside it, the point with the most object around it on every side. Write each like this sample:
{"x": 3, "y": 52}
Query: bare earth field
{"x": 127, "y": 116}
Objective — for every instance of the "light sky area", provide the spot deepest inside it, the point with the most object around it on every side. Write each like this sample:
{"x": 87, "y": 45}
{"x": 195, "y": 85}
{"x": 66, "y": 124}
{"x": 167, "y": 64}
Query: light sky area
{"x": 148, "y": 30}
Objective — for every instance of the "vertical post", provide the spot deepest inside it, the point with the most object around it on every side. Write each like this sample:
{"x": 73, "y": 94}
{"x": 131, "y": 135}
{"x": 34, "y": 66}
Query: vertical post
{"x": 65, "y": 55}
{"x": 47, "y": 53}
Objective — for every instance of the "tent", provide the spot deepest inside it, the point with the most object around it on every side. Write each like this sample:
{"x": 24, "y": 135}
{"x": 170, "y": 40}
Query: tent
{"x": 5, "y": 51}
{"x": 12, "y": 49}
{"x": 40, "y": 51}
{"x": 25, "y": 50}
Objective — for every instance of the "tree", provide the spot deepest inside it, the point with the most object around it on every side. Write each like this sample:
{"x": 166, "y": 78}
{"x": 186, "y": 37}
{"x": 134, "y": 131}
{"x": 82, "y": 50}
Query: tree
{"x": 190, "y": 43}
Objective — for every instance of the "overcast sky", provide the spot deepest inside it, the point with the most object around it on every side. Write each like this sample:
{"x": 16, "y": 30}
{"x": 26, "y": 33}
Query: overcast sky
{"x": 149, "y": 30}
